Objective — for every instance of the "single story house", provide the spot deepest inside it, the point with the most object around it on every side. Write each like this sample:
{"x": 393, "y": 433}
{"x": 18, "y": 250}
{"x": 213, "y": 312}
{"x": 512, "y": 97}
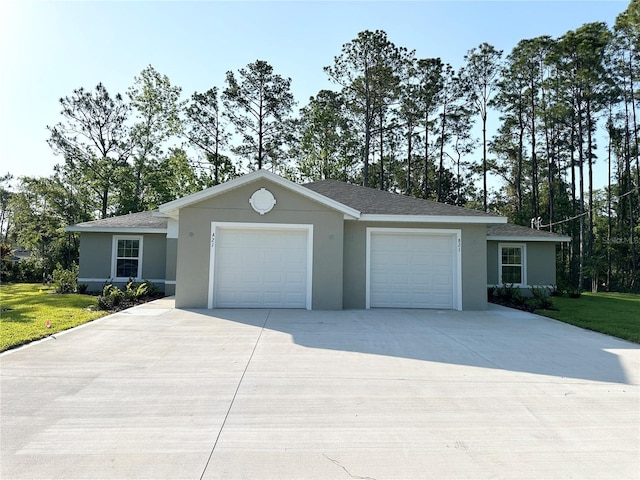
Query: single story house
{"x": 261, "y": 241}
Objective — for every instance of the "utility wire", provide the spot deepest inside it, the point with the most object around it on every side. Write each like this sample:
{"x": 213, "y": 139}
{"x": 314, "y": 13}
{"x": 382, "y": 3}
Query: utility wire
{"x": 582, "y": 214}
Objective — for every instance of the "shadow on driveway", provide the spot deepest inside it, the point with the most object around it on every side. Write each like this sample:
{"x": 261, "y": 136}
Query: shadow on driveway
{"x": 500, "y": 338}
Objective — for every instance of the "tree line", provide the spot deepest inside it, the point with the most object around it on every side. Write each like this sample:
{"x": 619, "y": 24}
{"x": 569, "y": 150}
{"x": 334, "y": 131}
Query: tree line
{"x": 415, "y": 126}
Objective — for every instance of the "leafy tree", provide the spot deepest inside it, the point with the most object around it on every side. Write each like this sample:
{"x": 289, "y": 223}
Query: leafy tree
{"x": 368, "y": 71}
{"x": 582, "y": 60}
{"x": 449, "y": 108}
{"x": 94, "y": 141}
{"x": 42, "y": 208}
{"x": 204, "y": 129}
{"x": 174, "y": 178}
{"x": 5, "y": 212}
{"x": 258, "y": 103}
{"x": 429, "y": 73}
{"x": 156, "y": 107}
{"x": 480, "y": 77}
{"x": 327, "y": 145}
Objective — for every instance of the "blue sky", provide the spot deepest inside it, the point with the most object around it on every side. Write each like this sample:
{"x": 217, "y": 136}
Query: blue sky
{"x": 49, "y": 48}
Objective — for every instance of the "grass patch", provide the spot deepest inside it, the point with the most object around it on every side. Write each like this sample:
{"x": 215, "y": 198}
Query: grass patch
{"x": 26, "y": 307}
{"x": 616, "y": 314}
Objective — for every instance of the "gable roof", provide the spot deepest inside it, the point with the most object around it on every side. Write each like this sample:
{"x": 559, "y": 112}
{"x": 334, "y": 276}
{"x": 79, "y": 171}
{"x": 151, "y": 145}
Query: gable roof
{"x": 153, "y": 222}
{"x": 385, "y": 206}
{"x": 356, "y": 202}
{"x": 172, "y": 208}
{"x": 141, "y": 222}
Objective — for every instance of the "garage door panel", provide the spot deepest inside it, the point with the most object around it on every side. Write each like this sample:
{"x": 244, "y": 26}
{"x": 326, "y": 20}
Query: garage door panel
{"x": 421, "y": 275}
{"x": 260, "y": 268}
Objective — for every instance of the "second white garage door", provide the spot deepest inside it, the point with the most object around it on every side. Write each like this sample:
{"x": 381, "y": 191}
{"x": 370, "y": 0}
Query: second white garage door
{"x": 413, "y": 268}
{"x": 261, "y": 267}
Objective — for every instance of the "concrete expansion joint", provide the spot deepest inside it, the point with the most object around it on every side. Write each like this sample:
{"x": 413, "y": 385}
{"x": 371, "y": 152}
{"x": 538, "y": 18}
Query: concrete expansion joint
{"x": 235, "y": 394}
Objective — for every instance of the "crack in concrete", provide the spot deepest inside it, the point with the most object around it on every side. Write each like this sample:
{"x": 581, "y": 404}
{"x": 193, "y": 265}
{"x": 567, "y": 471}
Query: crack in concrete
{"x": 357, "y": 477}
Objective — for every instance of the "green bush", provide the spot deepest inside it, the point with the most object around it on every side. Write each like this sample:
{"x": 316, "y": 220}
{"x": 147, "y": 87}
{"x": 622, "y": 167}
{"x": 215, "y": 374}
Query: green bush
{"x": 29, "y": 270}
{"x": 111, "y": 297}
{"x": 541, "y": 298}
{"x": 135, "y": 291}
{"x": 510, "y": 294}
{"x": 63, "y": 280}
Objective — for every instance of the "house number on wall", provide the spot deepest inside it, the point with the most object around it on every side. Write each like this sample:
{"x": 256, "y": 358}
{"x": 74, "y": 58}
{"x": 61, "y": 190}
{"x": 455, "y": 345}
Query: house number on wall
{"x": 213, "y": 239}
{"x": 459, "y": 245}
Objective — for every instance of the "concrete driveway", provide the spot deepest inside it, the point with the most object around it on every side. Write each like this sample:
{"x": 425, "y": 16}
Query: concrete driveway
{"x": 160, "y": 393}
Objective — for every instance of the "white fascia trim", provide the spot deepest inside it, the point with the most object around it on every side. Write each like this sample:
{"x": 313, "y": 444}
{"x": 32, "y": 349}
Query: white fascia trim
{"x": 370, "y": 217}
{"x": 261, "y": 226}
{"x": 124, "y": 230}
{"x": 425, "y": 231}
{"x": 172, "y": 208}
{"x": 510, "y": 238}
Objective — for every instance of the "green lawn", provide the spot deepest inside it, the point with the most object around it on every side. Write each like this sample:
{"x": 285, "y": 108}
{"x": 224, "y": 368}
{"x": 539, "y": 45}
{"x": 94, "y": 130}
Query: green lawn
{"x": 26, "y": 307}
{"x": 616, "y": 314}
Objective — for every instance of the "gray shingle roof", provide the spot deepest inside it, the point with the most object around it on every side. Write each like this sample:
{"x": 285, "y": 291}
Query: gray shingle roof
{"x": 511, "y": 230}
{"x": 366, "y": 200}
{"x": 131, "y": 220}
{"x": 372, "y": 201}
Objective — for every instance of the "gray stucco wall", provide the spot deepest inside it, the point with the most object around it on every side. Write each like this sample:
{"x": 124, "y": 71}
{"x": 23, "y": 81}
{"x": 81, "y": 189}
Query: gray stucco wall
{"x": 473, "y": 257}
{"x": 541, "y": 262}
{"x": 193, "y": 252}
{"x": 95, "y": 259}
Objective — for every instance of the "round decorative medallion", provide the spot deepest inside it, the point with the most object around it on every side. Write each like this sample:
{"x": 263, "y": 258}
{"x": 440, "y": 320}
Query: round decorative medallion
{"x": 262, "y": 201}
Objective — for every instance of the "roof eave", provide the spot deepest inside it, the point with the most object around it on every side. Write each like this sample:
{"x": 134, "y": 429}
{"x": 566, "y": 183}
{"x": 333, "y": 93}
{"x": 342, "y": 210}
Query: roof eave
{"x": 370, "y": 217}
{"x": 78, "y": 229}
{"x": 524, "y": 238}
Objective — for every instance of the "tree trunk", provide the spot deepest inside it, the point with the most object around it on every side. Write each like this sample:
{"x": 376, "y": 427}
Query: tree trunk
{"x": 426, "y": 157}
{"x": 367, "y": 144}
{"x": 484, "y": 161}
{"x": 590, "y": 160}
{"x": 442, "y": 134}
{"x": 534, "y": 157}
{"x": 609, "y": 200}
{"x": 381, "y": 151}
{"x": 409, "y": 152}
{"x": 260, "y": 136}
{"x": 581, "y": 164}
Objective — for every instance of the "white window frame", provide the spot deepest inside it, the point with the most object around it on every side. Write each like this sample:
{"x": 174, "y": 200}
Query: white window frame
{"x": 114, "y": 256}
{"x": 523, "y": 260}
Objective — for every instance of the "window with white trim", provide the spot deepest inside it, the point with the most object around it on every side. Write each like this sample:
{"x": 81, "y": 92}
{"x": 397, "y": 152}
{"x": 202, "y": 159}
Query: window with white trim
{"x": 127, "y": 257}
{"x": 512, "y": 263}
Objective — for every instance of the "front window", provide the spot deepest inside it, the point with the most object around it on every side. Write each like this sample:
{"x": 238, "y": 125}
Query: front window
{"x": 127, "y": 257}
{"x": 512, "y": 264}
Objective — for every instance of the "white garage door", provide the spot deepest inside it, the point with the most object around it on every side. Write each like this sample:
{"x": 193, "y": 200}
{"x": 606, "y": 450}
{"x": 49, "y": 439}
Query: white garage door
{"x": 260, "y": 268}
{"x": 413, "y": 269}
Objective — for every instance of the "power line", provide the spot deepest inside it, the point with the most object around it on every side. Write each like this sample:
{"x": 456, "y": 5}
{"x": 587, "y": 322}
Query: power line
{"x": 537, "y": 222}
